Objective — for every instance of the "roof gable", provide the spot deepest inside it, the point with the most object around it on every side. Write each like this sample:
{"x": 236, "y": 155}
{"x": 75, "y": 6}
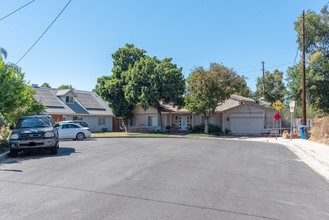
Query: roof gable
{"x": 65, "y": 92}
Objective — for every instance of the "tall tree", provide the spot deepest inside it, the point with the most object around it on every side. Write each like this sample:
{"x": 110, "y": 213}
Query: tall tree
{"x": 3, "y": 53}
{"x": 16, "y": 97}
{"x": 111, "y": 88}
{"x": 244, "y": 90}
{"x": 152, "y": 82}
{"x": 45, "y": 85}
{"x": 271, "y": 88}
{"x": 317, "y": 61}
{"x": 65, "y": 87}
{"x": 206, "y": 89}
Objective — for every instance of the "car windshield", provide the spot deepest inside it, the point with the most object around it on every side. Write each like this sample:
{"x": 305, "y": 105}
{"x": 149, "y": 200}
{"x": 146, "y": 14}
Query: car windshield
{"x": 33, "y": 123}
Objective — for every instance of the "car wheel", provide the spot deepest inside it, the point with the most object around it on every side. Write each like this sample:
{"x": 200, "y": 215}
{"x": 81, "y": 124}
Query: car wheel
{"x": 54, "y": 149}
{"x": 13, "y": 153}
{"x": 80, "y": 136}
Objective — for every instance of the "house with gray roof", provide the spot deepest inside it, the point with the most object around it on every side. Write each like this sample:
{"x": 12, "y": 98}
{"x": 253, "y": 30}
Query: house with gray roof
{"x": 240, "y": 115}
{"x": 68, "y": 104}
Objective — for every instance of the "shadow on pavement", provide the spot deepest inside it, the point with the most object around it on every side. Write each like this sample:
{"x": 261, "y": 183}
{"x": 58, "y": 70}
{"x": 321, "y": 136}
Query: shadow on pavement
{"x": 36, "y": 154}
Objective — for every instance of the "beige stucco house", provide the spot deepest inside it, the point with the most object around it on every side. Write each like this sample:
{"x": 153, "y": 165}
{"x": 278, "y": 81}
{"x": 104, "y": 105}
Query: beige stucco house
{"x": 239, "y": 114}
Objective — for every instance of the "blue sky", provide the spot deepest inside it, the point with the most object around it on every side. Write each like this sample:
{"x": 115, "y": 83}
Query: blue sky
{"x": 77, "y": 49}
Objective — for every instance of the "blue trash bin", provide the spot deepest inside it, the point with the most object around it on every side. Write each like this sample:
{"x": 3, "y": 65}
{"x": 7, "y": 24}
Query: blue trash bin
{"x": 303, "y": 131}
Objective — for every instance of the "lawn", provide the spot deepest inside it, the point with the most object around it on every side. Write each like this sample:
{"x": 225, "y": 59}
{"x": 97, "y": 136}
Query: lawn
{"x": 124, "y": 134}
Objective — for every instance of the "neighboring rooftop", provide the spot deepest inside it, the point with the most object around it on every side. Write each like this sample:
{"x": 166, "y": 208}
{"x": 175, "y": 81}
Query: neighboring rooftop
{"x": 85, "y": 102}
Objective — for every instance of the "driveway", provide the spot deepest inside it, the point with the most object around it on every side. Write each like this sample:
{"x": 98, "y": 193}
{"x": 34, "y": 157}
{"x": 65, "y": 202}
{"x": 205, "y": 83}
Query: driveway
{"x": 162, "y": 178}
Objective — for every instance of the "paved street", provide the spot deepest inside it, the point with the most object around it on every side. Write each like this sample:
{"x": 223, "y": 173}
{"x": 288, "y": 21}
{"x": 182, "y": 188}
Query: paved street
{"x": 162, "y": 178}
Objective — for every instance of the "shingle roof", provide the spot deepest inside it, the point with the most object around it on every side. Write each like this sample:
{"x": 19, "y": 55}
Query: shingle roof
{"x": 241, "y": 98}
{"x": 85, "y": 102}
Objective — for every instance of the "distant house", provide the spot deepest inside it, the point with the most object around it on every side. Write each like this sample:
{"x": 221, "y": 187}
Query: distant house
{"x": 239, "y": 114}
{"x": 71, "y": 104}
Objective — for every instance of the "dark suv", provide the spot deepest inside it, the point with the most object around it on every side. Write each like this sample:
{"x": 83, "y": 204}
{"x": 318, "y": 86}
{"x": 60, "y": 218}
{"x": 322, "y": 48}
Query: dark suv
{"x": 34, "y": 131}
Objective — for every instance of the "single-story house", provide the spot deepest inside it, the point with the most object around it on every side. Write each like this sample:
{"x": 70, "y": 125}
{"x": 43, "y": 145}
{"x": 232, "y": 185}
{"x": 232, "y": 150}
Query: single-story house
{"x": 239, "y": 114}
{"x": 68, "y": 104}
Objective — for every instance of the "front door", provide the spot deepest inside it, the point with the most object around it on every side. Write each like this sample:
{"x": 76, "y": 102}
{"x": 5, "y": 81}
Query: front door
{"x": 184, "y": 123}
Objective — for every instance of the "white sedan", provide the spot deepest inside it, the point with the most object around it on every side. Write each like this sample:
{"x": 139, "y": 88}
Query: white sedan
{"x": 74, "y": 131}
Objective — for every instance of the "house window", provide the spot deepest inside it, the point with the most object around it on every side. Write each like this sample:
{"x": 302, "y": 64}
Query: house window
{"x": 153, "y": 121}
{"x": 101, "y": 121}
{"x": 77, "y": 118}
{"x": 69, "y": 99}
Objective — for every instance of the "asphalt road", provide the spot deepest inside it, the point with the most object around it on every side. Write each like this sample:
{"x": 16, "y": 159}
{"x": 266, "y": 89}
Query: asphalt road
{"x": 157, "y": 178}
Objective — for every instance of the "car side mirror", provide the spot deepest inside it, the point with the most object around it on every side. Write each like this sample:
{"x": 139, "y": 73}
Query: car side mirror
{"x": 11, "y": 127}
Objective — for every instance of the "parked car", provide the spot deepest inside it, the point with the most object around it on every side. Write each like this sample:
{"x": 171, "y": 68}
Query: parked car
{"x": 33, "y": 131}
{"x": 72, "y": 131}
{"x": 82, "y": 123}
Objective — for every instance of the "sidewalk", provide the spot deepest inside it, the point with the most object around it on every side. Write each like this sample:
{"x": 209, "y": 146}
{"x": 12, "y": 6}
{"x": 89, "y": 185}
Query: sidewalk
{"x": 314, "y": 154}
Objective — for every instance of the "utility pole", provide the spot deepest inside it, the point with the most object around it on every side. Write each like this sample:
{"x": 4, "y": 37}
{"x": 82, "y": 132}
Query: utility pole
{"x": 263, "y": 69}
{"x": 303, "y": 74}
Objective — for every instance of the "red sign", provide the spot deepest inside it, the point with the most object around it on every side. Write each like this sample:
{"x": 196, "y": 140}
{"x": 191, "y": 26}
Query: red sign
{"x": 277, "y": 116}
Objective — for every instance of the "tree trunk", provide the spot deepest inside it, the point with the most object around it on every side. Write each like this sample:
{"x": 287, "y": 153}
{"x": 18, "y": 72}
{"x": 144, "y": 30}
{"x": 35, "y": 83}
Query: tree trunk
{"x": 160, "y": 120}
{"x": 123, "y": 124}
{"x": 206, "y": 125}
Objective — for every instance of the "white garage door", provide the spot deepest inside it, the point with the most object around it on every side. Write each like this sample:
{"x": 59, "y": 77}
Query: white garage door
{"x": 246, "y": 125}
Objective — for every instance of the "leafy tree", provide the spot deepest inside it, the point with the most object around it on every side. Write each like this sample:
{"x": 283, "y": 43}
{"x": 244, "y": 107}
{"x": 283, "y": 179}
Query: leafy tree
{"x": 274, "y": 87}
{"x": 244, "y": 90}
{"x": 152, "y": 82}
{"x": 16, "y": 97}
{"x": 66, "y": 87}
{"x": 317, "y": 61}
{"x": 45, "y": 85}
{"x": 111, "y": 88}
{"x": 206, "y": 89}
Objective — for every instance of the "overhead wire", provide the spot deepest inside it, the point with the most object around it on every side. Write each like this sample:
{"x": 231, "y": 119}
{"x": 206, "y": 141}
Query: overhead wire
{"x": 44, "y": 32}
{"x": 16, "y": 10}
{"x": 283, "y": 64}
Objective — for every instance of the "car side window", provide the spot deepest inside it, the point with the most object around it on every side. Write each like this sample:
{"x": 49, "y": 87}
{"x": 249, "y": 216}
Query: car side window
{"x": 65, "y": 126}
{"x": 74, "y": 126}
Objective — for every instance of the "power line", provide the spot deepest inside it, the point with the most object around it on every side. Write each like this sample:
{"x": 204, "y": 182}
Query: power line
{"x": 43, "y": 32}
{"x": 16, "y": 10}
{"x": 284, "y": 64}
{"x": 250, "y": 71}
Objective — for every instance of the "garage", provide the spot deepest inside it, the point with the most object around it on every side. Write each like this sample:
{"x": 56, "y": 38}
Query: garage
{"x": 247, "y": 125}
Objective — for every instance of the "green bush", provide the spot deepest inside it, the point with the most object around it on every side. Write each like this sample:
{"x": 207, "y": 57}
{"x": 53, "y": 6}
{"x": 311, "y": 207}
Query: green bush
{"x": 3, "y": 143}
{"x": 4, "y": 132}
{"x": 198, "y": 129}
{"x": 168, "y": 128}
{"x": 213, "y": 129}
{"x": 227, "y": 131}
{"x": 104, "y": 130}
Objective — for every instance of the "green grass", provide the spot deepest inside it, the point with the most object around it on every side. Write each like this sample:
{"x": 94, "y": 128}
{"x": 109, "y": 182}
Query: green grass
{"x": 124, "y": 134}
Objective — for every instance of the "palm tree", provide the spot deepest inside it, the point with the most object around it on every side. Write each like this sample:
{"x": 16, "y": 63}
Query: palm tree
{"x": 3, "y": 53}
